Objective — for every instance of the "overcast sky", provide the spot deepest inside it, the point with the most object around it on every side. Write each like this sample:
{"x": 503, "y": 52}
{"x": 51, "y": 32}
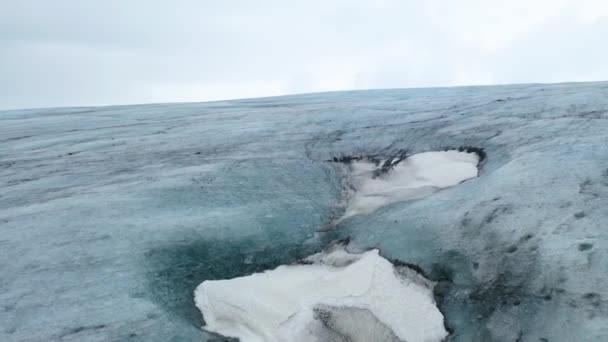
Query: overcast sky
{"x": 81, "y": 52}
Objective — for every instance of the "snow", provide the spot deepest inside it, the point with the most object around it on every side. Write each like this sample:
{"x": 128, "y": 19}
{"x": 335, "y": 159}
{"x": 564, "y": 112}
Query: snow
{"x": 280, "y": 305}
{"x": 417, "y": 176}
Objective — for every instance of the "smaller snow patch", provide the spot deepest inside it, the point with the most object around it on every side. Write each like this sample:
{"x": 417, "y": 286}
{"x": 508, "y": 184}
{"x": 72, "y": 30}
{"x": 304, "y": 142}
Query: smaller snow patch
{"x": 334, "y": 295}
{"x": 376, "y": 183}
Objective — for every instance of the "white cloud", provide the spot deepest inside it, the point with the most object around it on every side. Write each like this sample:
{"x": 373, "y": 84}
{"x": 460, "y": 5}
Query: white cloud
{"x": 592, "y": 11}
{"x": 183, "y": 92}
{"x": 491, "y": 25}
{"x": 78, "y": 53}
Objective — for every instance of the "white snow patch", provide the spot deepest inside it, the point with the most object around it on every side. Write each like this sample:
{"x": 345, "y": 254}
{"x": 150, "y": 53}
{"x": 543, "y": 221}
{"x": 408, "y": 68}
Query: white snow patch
{"x": 280, "y": 305}
{"x": 417, "y": 176}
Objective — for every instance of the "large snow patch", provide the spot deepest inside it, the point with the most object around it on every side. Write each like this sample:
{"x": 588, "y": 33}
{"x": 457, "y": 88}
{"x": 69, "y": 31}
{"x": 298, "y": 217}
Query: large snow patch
{"x": 414, "y": 177}
{"x": 332, "y": 296}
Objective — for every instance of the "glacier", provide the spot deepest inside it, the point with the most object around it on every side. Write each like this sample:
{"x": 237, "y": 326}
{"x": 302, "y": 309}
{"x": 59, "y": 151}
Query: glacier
{"x": 110, "y": 217}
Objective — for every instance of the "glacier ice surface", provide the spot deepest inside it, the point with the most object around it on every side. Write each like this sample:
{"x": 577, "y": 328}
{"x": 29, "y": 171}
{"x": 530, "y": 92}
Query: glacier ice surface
{"x": 110, "y": 217}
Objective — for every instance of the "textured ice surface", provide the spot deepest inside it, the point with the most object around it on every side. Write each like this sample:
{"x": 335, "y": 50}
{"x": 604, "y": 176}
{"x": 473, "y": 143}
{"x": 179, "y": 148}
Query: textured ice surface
{"x": 376, "y": 184}
{"x": 294, "y": 303}
{"x": 111, "y": 217}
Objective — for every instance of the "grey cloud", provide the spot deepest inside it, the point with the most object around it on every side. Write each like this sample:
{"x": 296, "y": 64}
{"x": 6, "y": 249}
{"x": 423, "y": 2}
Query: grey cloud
{"x": 65, "y": 53}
